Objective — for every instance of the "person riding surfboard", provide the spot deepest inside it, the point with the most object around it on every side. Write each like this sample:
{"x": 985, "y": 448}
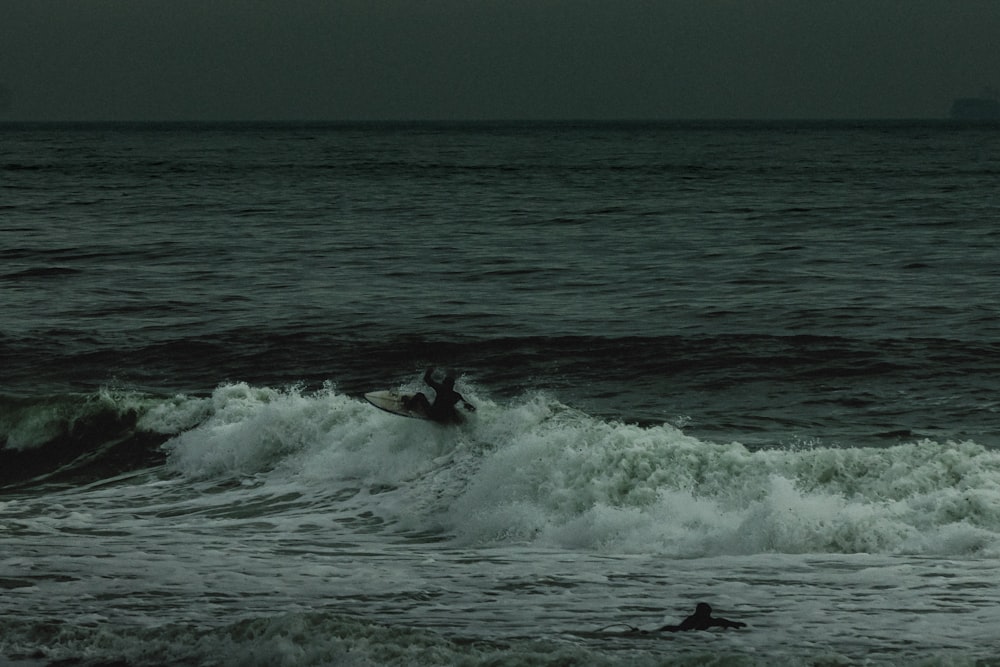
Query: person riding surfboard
{"x": 442, "y": 410}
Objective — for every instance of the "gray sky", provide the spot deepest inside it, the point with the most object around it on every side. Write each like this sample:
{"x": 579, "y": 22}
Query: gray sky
{"x": 492, "y": 59}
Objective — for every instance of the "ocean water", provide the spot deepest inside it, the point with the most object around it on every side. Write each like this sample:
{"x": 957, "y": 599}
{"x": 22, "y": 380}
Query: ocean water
{"x": 751, "y": 364}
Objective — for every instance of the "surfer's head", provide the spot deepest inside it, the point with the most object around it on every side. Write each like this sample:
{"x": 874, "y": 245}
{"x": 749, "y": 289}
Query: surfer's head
{"x": 449, "y": 381}
{"x": 703, "y": 609}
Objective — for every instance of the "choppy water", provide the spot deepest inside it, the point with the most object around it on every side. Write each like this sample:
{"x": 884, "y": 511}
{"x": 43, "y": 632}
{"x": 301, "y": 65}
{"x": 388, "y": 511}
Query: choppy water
{"x": 750, "y": 364}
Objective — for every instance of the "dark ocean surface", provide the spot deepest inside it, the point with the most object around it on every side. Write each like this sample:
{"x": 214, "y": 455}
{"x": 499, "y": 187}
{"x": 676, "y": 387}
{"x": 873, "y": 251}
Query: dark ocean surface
{"x": 752, "y": 364}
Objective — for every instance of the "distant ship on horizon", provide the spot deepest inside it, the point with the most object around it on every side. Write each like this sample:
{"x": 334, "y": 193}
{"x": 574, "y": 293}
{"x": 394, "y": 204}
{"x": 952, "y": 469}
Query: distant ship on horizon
{"x": 984, "y": 107}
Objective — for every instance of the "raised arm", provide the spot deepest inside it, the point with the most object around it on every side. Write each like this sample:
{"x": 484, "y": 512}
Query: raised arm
{"x": 429, "y": 379}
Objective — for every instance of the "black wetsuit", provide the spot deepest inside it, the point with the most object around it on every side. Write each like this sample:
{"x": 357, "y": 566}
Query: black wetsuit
{"x": 702, "y": 619}
{"x": 445, "y": 399}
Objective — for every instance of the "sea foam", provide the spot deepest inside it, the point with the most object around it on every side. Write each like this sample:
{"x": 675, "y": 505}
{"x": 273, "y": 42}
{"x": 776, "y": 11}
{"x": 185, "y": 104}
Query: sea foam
{"x": 536, "y": 471}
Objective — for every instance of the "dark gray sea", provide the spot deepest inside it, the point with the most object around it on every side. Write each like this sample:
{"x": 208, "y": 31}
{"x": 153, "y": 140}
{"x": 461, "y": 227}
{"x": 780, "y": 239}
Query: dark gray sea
{"x": 750, "y": 364}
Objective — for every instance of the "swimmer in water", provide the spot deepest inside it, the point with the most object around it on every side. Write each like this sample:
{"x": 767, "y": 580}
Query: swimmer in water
{"x": 702, "y": 619}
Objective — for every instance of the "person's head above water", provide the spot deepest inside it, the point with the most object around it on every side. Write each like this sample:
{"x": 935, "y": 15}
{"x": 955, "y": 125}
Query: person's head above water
{"x": 449, "y": 381}
{"x": 703, "y": 609}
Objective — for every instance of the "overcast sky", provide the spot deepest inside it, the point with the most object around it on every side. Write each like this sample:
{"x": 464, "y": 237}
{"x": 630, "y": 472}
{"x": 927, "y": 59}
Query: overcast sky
{"x": 492, "y": 59}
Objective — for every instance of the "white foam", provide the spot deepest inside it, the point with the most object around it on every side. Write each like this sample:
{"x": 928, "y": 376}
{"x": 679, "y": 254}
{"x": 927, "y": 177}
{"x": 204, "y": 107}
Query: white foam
{"x": 247, "y": 429}
{"x": 579, "y": 482}
{"x": 536, "y": 471}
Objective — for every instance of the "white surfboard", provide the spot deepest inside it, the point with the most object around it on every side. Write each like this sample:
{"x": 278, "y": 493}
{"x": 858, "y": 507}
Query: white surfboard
{"x": 394, "y": 402}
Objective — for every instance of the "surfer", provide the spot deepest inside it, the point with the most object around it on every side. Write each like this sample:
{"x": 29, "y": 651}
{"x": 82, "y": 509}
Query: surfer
{"x": 445, "y": 399}
{"x": 702, "y": 619}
